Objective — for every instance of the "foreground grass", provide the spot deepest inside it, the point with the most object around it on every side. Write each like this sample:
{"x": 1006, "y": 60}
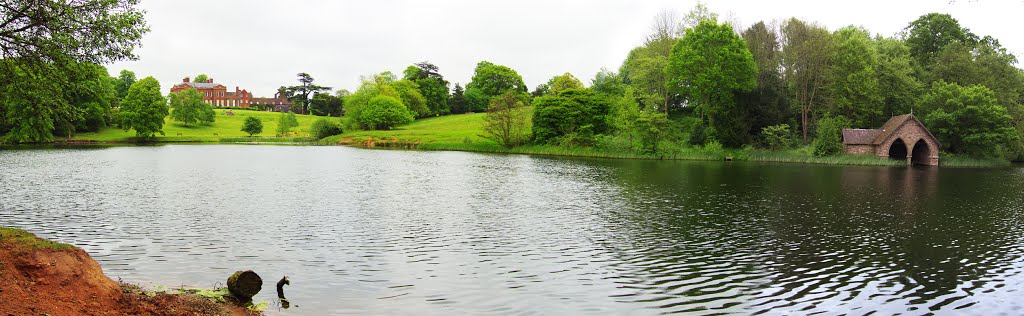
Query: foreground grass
{"x": 225, "y": 129}
{"x": 24, "y": 238}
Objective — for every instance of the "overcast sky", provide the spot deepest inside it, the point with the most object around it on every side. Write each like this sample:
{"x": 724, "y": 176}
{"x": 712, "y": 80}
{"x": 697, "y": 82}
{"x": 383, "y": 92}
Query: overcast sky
{"x": 261, "y": 45}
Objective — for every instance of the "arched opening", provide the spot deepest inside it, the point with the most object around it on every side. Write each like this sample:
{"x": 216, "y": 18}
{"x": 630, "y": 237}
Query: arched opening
{"x": 898, "y": 150}
{"x": 922, "y": 154}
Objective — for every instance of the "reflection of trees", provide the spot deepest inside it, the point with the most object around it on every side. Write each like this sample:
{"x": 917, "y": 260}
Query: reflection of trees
{"x": 758, "y": 236}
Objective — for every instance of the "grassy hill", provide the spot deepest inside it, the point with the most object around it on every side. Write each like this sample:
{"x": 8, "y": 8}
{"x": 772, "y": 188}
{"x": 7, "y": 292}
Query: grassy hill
{"x": 226, "y": 127}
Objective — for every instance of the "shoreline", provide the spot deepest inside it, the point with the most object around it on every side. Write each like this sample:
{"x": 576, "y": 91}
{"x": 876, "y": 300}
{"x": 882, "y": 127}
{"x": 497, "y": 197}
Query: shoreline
{"x": 44, "y": 277}
{"x": 690, "y": 154}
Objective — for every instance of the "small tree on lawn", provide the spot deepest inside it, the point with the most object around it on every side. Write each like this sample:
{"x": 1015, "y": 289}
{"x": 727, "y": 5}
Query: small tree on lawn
{"x": 252, "y": 126}
{"x": 506, "y": 120}
{"x": 285, "y": 123}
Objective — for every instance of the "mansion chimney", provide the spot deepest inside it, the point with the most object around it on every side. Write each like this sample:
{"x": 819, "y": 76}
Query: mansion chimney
{"x": 185, "y": 80}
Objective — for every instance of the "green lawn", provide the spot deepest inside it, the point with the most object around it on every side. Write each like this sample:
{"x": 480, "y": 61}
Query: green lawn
{"x": 224, "y": 128}
{"x": 450, "y": 129}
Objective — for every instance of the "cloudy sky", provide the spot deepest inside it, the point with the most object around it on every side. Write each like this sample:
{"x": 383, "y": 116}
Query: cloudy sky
{"x": 261, "y": 45}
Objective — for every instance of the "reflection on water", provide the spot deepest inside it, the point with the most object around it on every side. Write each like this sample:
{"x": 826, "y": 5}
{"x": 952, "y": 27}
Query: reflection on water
{"x": 386, "y": 232}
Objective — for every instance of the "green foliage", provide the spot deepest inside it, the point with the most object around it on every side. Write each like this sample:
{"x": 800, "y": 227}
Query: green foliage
{"x": 577, "y": 114}
{"x": 931, "y": 32}
{"x": 144, "y": 108}
{"x": 409, "y": 92}
{"x": 806, "y": 55}
{"x": 476, "y": 100}
{"x": 898, "y": 87}
{"x": 124, "y": 81}
{"x": 301, "y": 94}
{"x": 188, "y": 107}
{"x": 829, "y": 139}
{"x": 384, "y": 112}
{"x": 968, "y": 120}
{"x": 432, "y": 86}
{"x": 563, "y": 82}
{"x": 326, "y": 104}
{"x": 324, "y": 127}
{"x": 776, "y": 137}
{"x": 507, "y": 121}
{"x": 708, "y": 66}
{"x": 608, "y": 83}
{"x": 252, "y": 126}
{"x": 285, "y": 123}
{"x": 854, "y": 84}
{"x": 458, "y": 101}
{"x": 492, "y": 80}
{"x": 644, "y": 71}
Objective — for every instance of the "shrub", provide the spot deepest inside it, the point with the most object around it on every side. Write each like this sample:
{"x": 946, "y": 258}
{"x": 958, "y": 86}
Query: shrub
{"x": 384, "y": 112}
{"x": 324, "y": 127}
{"x": 776, "y": 137}
{"x": 829, "y": 138}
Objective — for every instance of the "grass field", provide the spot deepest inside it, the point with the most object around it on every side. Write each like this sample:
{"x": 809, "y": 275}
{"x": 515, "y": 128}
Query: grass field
{"x": 225, "y": 128}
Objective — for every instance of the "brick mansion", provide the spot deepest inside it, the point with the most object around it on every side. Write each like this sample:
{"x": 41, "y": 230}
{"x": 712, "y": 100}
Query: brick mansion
{"x": 218, "y": 95}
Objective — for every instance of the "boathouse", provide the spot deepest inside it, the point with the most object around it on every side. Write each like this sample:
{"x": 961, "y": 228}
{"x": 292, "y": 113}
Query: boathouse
{"x": 902, "y": 137}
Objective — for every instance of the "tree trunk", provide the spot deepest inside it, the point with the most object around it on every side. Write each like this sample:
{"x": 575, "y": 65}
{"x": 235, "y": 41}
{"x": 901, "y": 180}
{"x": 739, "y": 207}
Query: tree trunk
{"x": 244, "y": 285}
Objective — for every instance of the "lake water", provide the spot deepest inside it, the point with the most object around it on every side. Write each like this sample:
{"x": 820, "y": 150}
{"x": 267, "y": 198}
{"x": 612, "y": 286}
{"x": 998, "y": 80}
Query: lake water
{"x": 397, "y": 232}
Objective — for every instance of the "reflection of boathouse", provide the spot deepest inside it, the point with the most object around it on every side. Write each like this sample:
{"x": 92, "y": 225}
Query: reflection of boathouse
{"x": 902, "y": 137}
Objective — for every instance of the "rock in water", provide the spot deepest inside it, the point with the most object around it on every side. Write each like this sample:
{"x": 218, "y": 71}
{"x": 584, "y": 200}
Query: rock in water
{"x": 244, "y": 285}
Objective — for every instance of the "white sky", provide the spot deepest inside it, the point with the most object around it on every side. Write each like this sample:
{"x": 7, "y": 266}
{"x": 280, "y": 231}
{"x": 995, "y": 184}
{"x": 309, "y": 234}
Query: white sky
{"x": 261, "y": 45}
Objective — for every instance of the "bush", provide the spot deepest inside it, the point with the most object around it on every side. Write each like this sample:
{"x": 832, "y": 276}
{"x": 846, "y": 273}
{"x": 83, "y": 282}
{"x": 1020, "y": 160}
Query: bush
{"x": 324, "y": 127}
{"x": 776, "y": 137}
{"x": 384, "y": 112}
{"x": 829, "y": 138}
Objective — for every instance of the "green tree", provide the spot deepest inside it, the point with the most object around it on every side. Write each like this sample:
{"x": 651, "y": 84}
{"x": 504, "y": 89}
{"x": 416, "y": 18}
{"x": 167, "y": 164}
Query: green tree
{"x": 806, "y": 55}
{"x": 476, "y": 100}
{"x": 326, "y": 104}
{"x": 644, "y": 70}
{"x": 854, "y": 82}
{"x": 829, "y": 138}
{"x": 409, "y": 92}
{"x": 458, "y": 100}
{"x": 252, "y": 126}
{"x": 563, "y": 82}
{"x": 201, "y": 78}
{"x": 96, "y": 31}
{"x": 574, "y": 117}
{"x": 188, "y": 107}
{"x": 492, "y": 80}
{"x": 967, "y": 120}
{"x": 898, "y": 87}
{"x": 709, "y": 65}
{"x": 285, "y": 123}
{"x": 768, "y": 104}
{"x": 385, "y": 112}
{"x": 507, "y": 121}
{"x": 124, "y": 81}
{"x": 776, "y": 137}
{"x": 608, "y": 82}
{"x": 931, "y": 32}
{"x": 144, "y": 108}
{"x": 301, "y": 93}
{"x": 432, "y": 86}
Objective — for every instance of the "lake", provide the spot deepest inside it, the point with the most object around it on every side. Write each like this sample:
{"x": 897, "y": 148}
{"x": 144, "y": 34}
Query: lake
{"x": 362, "y": 231}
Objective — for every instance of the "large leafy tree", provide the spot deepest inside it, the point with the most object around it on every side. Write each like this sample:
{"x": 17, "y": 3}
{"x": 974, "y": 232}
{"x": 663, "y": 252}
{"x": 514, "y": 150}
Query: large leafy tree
{"x": 124, "y": 80}
{"x": 326, "y": 104}
{"x": 806, "y": 57}
{"x": 854, "y": 83}
{"x": 201, "y": 78}
{"x": 432, "y": 86}
{"x": 410, "y": 94}
{"x": 144, "y": 108}
{"x": 967, "y": 120}
{"x": 898, "y": 87}
{"x": 507, "y": 121}
{"x": 188, "y": 107}
{"x": 768, "y": 104}
{"x": 97, "y": 31}
{"x": 302, "y": 93}
{"x": 563, "y": 82}
{"x": 490, "y": 80}
{"x": 384, "y": 112}
{"x": 578, "y": 114}
{"x": 644, "y": 71}
{"x": 931, "y": 32}
{"x": 708, "y": 66}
